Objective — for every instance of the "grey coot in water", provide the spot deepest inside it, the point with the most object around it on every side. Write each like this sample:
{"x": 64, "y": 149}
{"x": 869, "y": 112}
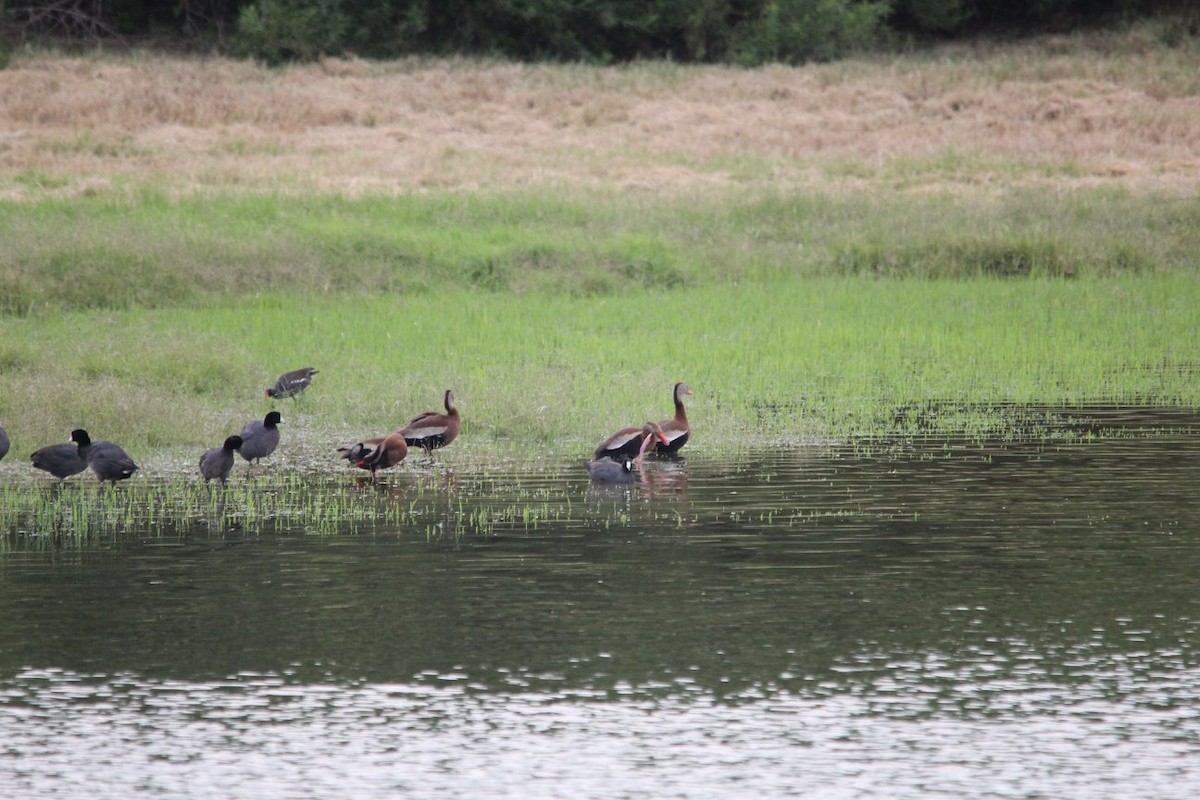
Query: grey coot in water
{"x": 60, "y": 460}
{"x": 291, "y": 384}
{"x": 433, "y": 429}
{"x": 376, "y": 453}
{"x": 107, "y": 460}
{"x": 605, "y": 470}
{"x": 217, "y": 462}
{"x": 259, "y": 439}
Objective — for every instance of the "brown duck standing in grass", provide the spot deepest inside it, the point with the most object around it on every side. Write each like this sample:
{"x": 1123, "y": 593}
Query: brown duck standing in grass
{"x": 676, "y": 430}
{"x": 376, "y": 453}
{"x": 631, "y": 442}
{"x": 291, "y": 384}
{"x": 432, "y": 429}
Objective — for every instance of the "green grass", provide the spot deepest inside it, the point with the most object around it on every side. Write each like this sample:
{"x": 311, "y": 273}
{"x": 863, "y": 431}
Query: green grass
{"x": 558, "y": 318}
{"x": 795, "y": 360}
{"x": 138, "y": 249}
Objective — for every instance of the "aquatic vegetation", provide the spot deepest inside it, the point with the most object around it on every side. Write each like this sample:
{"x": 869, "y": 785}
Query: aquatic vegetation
{"x": 54, "y": 513}
{"x": 439, "y": 504}
{"x": 549, "y": 498}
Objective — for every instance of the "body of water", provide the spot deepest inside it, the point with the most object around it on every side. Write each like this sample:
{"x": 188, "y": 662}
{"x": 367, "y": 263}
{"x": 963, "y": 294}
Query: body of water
{"x": 931, "y": 619}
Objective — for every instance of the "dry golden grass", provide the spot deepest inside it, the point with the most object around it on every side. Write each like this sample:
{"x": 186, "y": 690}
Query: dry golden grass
{"x": 1058, "y": 112}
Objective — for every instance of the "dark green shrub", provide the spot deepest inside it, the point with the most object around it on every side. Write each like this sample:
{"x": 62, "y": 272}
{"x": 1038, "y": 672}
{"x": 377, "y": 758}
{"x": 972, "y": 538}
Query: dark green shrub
{"x": 796, "y": 31}
{"x": 936, "y": 16}
{"x": 276, "y": 31}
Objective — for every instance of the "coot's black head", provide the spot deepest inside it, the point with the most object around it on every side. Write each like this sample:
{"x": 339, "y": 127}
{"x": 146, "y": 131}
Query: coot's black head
{"x": 272, "y": 419}
{"x": 80, "y": 437}
{"x": 233, "y": 443}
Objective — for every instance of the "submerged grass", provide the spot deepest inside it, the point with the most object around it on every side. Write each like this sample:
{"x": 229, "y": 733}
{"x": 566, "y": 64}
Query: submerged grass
{"x": 444, "y": 501}
{"x": 428, "y": 500}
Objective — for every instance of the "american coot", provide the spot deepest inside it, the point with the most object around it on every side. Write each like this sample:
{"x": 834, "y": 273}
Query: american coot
{"x": 3, "y": 443}
{"x": 605, "y": 470}
{"x": 432, "y": 429}
{"x": 291, "y": 384}
{"x": 259, "y": 439}
{"x": 676, "y": 429}
{"x": 376, "y": 453}
{"x": 60, "y": 460}
{"x": 217, "y": 462}
{"x": 631, "y": 442}
{"x": 107, "y": 460}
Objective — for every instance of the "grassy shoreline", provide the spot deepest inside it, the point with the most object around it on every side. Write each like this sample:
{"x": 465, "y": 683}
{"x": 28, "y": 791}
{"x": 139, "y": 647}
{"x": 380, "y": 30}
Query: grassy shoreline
{"x": 785, "y": 362}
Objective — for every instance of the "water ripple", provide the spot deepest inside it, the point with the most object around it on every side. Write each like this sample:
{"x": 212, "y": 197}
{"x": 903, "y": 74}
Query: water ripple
{"x": 259, "y": 735}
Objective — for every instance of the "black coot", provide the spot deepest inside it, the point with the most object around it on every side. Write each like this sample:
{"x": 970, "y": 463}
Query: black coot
{"x": 259, "y": 439}
{"x": 107, "y": 460}
{"x": 217, "y": 462}
{"x": 605, "y": 470}
{"x": 60, "y": 460}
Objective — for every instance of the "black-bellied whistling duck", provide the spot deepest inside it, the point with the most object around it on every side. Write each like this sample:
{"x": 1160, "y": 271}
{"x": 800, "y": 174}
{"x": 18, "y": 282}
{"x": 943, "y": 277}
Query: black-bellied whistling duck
{"x": 676, "y": 429}
{"x": 217, "y": 462}
{"x": 291, "y": 384}
{"x": 60, "y": 460}
{"x": 605, "y": 470}
{"x": 630, "y": 442}
{"x": 107, "y": 460}
{"x": 259, "y": 439}
{"x": 376, "y": 453}
{"x": 432, "y": 429}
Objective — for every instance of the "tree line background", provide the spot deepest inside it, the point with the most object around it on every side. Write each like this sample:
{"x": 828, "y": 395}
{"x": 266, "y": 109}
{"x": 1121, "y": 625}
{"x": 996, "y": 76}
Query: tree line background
{"x": 746, "y": 32}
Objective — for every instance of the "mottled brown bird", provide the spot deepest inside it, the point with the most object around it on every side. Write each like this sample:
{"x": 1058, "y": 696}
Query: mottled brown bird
{"x": 291, "y": 384}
